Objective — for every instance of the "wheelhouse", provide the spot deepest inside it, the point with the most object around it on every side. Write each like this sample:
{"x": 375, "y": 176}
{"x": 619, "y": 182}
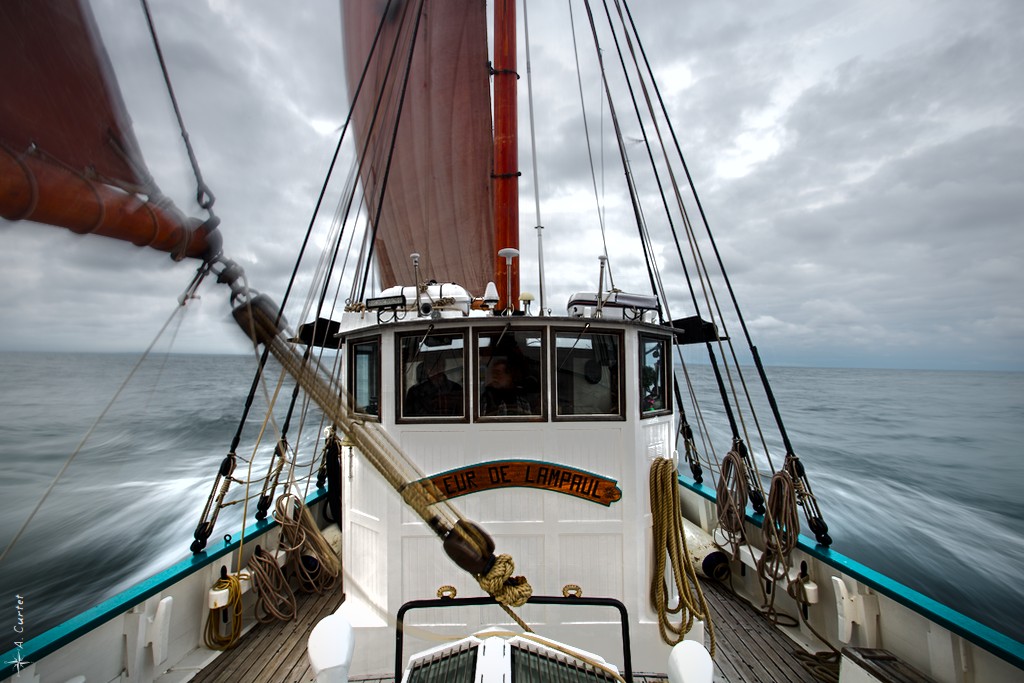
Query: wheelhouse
{"x": 543, "y": 428}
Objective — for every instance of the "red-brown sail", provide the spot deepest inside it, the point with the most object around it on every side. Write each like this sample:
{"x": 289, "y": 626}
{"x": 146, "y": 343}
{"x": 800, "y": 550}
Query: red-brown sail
{"x": 68, "y": 155}
{"x": 438, "y": 195}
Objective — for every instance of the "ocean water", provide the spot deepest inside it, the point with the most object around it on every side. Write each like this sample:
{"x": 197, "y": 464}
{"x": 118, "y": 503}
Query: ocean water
{"x": 918, "y": 473}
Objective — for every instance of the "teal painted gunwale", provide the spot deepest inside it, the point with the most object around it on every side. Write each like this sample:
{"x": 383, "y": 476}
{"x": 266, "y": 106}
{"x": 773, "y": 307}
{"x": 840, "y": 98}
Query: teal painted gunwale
{"x": 981, "y": 635}
{"x": 57, "y": 637}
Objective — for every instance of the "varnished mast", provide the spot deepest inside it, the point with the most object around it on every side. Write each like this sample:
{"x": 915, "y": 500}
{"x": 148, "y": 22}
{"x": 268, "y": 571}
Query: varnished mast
{"x": 506, "y": 152}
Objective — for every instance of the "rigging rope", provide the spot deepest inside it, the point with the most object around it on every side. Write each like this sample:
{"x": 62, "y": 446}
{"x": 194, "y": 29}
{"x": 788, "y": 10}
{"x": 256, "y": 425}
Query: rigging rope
{"x": 808, "y": 502}
{"x": 205, "y": 526}
{"x": 382, "y": 189}
{"x": 624, "y": 157}
{"x": 468, "y": 546}
{"x": 670, "y": 545}
{"x": 204, "y": 197}
{"x": 590, "y": 153}
{"x": 533, "y": 151}
{"x": 201, "y": 273}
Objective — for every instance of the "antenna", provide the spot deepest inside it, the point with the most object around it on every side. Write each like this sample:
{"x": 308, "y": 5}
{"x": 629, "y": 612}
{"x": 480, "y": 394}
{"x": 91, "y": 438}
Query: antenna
{"x": 600, "y": 286}
{"x": 508, "y": 253}
{"x": 416, "y": 269}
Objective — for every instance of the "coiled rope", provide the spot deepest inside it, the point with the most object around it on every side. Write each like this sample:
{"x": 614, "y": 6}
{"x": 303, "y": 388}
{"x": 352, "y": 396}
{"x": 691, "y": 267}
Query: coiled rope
{"x": 274, "y": 598}
{"x": 212, "y": 636}
{"x": 670, "y": 545}
{"x": 301, "y": 537}
{"x": 782, "y": 527}
{"x": 731, "y": 494}
{"x": 779, "y": 538}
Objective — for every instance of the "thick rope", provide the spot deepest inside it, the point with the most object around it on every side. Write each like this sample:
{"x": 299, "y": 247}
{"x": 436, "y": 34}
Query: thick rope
{"x": 274, "y": 598}
{"x": 302, "y": 538}
{"x": 780, "y": 535}
{"x": 731, "y": 494}
{"x": 212, "y": 636}
{"x": 510, "y": 591}
{"x": 670, "y": 545}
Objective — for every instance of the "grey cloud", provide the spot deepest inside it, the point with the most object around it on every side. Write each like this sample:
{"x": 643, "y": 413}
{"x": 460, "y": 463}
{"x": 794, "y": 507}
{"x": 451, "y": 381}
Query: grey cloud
{"x": 879, "y": 212}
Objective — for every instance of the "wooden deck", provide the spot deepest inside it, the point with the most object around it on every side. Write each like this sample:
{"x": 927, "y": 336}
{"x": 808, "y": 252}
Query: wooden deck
{"x": 274, "y": 652}
{"x": 750, "y": 650}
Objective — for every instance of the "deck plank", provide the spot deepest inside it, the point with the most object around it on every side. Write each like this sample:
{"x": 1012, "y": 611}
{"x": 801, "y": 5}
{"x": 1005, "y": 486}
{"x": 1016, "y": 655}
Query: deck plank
{"x": 269, "y": 651}
{"x": 750, "y": 649}
{"x": 758, "y": 650}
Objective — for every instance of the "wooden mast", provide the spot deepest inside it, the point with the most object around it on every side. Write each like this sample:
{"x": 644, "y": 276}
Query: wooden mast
{"x": 506, "y": 152}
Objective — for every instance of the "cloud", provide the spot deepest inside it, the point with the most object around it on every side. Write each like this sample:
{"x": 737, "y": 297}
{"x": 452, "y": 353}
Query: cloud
{"x": 859, "y": 166}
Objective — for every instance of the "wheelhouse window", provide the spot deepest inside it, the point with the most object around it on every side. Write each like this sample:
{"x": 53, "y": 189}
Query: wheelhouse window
{"x": 364, "y": 376}
{"x": 588, "y": 375}
{"x": 432, "y": 378}
{"x": 655, "y": 368}
{"x": 510, "y": 376}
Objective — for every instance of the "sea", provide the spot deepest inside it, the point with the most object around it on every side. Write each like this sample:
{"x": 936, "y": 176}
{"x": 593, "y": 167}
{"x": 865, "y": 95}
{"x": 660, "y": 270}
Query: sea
{"x": 919, "y": 473}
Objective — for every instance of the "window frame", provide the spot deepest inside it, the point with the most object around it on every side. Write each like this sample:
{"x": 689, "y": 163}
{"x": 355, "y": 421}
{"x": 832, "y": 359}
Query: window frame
{"x": 544, "y": 335}
{"x": 620, "y": 414}
{"x": 401, "y": 389}
{"x": 666, "y": 373}
{"x": 350, "y": 357}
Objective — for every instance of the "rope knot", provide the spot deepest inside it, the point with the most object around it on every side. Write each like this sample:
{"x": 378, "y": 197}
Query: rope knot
{"x": 509, "y": 590}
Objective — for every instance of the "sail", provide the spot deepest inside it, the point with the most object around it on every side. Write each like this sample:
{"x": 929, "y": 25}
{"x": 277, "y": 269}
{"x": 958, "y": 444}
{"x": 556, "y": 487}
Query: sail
{"x": 68, "y": 155}
{"x": 438, "y": 196}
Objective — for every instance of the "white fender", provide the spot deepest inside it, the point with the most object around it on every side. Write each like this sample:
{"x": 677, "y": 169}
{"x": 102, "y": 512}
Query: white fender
{"x": 329, "y": 649}
{"x": 690, "y": 662}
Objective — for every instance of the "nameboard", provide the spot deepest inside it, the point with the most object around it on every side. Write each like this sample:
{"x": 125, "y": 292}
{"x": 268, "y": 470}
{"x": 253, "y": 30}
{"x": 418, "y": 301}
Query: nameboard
{"x": 532, "y": 474}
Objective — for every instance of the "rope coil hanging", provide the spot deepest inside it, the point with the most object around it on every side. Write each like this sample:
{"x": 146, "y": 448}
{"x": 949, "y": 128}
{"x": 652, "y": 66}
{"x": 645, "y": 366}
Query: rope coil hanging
{"x": 670, "y": 546}
{"x": 213, "y": 638}
{"x": 781, "y": 529}
{"x": 274, "y": 598}
{"x": 300, "y": 532}
{"x": 731, "y": 494}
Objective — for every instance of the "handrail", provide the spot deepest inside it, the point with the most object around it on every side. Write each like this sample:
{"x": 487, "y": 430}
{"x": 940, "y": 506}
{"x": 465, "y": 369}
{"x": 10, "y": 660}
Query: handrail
{"x": 57, "y": 637}
{"x": 983, "y": 636}
{"x": 573, "y": 600}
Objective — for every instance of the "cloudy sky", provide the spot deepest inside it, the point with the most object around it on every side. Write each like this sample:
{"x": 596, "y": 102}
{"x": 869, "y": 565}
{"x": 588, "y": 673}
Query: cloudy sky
{"x": 860, "y": 165}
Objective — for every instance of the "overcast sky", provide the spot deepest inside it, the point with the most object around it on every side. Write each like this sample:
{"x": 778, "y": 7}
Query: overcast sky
{"x": 860, "y": 165}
